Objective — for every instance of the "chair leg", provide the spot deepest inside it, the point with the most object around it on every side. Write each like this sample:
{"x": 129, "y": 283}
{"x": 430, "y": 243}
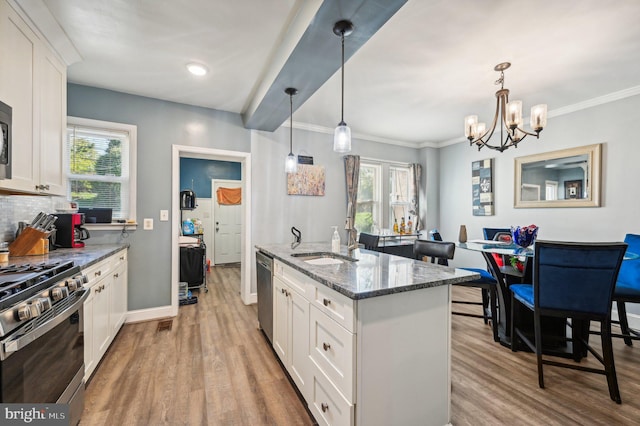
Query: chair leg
{"x": 609, "y": 365}
{"x": 485, "y": 304}
{"x": 514, "y": 335}
{"x": 624, "y": 324}
{"x": 493, "y": 302}
{"x": 538, "y": 339}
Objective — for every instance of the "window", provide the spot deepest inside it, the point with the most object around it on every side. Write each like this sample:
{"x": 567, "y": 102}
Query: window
{"x": 369, "y": 206}
{"x": 400, "y": 190}
{"x": 101, "y": 160}
{"x": 374, "y": 211}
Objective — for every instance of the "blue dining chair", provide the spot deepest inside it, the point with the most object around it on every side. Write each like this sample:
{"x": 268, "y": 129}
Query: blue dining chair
{"x": 628, "y": 289}
{"x": 488, "y": 286}
{"x": 575, "y": 281}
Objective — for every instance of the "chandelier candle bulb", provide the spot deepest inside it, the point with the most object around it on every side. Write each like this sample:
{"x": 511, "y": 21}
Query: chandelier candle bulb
{"x": 515, "y": 114}
{"x": 470, "y": 128}
{"x": 538, "y": 117}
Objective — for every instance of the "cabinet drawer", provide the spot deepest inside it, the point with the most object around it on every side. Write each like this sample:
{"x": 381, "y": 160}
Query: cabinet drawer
{"x": 295, "y": 279}
{"x": 118, "y": 259}
{"x": 327, "y": 405}
{"x": 337, "y": 306}
{"x": 331, "y": 347}
{"x": 98, "y": 271}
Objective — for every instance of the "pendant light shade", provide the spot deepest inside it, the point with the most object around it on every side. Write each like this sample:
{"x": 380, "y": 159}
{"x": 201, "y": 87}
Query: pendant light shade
{"x": 342, "y": 134}
{"x": 291, "y": 162}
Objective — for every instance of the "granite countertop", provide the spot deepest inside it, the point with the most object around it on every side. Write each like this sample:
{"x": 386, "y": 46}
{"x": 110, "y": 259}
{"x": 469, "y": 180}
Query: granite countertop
{"x": 373, "y": 274}
{"x": 82, "y": 257}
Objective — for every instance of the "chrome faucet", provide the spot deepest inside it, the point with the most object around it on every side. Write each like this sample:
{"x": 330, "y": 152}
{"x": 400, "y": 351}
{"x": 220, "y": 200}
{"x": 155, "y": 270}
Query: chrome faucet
{"x": 297, "y": 237}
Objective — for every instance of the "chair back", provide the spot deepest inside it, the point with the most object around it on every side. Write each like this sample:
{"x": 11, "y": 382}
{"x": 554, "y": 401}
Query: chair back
{"x": 369, "y": 241}
{"x": 576, "y": 277}
{"x": 435, "y": 235}
{"x": 490, "y": 233}
{"x": 505, "y": 237}
{"x": 629, "y": 275}
{"x": 442, "y": 251}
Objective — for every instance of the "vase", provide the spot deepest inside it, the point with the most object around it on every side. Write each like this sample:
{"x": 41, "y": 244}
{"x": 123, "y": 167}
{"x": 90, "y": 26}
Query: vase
{"x": 462, "y": 235}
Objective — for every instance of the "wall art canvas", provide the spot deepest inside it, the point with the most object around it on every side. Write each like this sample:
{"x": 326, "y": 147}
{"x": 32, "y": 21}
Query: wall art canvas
{"x": 482, "y": 187}
{"x": 308, "y": 180}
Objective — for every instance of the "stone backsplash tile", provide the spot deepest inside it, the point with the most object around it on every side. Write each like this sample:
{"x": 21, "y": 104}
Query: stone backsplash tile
{"x": 15, "y": 208}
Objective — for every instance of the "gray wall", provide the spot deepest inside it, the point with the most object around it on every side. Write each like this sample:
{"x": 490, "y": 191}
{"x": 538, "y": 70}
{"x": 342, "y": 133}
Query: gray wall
{"x": 608, "y": 124}
{"x": 161, "y": 124}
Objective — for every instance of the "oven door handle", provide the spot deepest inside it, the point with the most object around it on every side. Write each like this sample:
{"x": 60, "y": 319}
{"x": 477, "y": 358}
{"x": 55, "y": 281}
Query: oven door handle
{"x": 14, "y": 344}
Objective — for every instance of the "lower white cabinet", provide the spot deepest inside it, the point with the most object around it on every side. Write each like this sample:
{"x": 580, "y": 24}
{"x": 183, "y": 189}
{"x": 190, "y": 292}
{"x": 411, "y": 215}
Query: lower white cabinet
{"x": 291, "y": 333}
{"x": 376, "y": 361}
{"x": 105, "y": 308}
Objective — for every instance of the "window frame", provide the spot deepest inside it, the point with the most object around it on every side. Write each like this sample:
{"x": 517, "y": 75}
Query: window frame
{"x": 407, "y": 204}
{"x": 132, "y": 131}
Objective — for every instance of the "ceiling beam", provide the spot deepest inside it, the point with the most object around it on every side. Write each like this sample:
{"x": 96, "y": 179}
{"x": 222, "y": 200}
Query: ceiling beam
{"x": 316, "y": 57}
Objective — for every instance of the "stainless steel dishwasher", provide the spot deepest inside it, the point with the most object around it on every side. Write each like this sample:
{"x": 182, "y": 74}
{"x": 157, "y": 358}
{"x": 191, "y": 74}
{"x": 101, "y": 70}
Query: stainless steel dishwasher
{"x": 264, "y": 274}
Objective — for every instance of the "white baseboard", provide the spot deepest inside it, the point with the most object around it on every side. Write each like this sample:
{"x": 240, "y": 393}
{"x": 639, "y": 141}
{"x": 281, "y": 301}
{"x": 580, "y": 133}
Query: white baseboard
{"x": 253, "y": 298}
{"x": 149, "y": 314}
{"x": 633, "y": 319}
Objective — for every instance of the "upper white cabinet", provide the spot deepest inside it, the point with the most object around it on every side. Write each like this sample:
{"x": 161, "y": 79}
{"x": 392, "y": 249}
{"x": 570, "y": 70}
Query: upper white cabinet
{"x": 33, "y": 81}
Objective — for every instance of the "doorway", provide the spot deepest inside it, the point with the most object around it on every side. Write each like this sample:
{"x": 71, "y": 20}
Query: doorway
{"x": 244, "y": 158}
{"x": 227, "y": 224}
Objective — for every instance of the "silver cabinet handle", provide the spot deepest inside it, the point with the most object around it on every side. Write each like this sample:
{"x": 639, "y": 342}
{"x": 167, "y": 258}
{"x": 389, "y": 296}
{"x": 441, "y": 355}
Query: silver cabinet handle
{"x": 326, "y": 302}
{"x": 326, "y": 346}
{"x": 324, "y": 407}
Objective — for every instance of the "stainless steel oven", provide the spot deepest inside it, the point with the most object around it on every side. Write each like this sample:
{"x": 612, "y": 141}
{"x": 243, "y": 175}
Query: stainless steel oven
{"x": 42, "y": 342}
{"x": 5, "y": 141}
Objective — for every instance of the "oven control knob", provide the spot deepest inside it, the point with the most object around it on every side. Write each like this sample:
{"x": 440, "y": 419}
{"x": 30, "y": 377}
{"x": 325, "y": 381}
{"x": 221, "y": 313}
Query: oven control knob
{"x": 24, "y": 313}
{"x": 45, "y": 303}
{"x": 36, "y": 308}
{"x": 72, "y": 284}
{"x": 59, "y": 293}
{"x": 84, "y": 278}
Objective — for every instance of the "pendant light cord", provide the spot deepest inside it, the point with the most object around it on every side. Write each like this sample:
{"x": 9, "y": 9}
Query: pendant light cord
{"x": 342, "y": 90}
{"x": 291, "y": 124}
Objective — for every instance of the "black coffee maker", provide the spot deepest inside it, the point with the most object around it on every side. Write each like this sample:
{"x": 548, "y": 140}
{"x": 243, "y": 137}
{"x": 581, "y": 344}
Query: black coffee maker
{"x": 70, "y": 232}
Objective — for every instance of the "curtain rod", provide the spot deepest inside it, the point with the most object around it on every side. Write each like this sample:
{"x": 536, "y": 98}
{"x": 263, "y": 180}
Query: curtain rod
{"x": 395, "y": 163}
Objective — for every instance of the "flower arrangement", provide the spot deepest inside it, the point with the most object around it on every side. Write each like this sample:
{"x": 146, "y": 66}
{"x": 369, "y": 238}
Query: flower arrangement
{"x": 517, "y": 263}
{"x": 524, "y": 236}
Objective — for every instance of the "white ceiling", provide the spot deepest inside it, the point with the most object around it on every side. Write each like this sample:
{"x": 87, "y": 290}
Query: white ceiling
{"x": 413, "y": 81}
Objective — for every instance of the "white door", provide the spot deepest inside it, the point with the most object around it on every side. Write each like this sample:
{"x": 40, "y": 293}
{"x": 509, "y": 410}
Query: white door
{"x": 227, "y": 225}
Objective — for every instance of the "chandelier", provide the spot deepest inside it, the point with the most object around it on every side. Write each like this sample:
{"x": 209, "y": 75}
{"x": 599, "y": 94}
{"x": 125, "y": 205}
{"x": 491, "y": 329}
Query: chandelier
{"x": 511, "y": 123}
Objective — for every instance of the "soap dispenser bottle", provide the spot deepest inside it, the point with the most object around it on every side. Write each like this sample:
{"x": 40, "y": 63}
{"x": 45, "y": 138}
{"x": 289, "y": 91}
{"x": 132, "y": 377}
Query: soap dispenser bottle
{"x": 335, "y": 240}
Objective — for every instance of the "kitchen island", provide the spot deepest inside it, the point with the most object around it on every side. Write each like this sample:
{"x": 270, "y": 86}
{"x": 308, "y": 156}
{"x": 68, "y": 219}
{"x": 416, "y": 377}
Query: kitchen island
{"x": 365, "y": 336}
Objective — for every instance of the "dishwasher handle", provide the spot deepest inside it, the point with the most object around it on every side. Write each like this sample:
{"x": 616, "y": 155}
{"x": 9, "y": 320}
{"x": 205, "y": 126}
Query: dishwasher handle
{"x": 264, "y": 261}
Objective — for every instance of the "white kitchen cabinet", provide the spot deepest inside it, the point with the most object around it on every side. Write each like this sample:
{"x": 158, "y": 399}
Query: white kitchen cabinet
{"x": 33, "y": 82}
{"x": 119, "y": 292}
{"x": 105, "y": 308}
{"x": 373, "y": 361}
{"x": 291, "y": 333}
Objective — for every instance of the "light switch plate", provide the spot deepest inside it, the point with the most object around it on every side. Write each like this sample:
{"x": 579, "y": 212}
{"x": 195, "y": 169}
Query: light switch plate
{"x": 148, "y": 224}
{"x": 164, "y": 215}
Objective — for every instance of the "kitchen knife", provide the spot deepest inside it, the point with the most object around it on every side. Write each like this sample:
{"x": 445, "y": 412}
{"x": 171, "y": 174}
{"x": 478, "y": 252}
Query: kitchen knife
{"x": 37, "y": 219}
{"x": 46, "y": 224}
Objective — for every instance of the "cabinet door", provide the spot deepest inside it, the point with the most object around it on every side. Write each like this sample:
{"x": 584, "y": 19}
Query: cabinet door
{"x": 101, "y": 308}
{"x": 18, "y": 50}
{"x": 281, "y": 320}
{"x": 87, "y": 327}
{"x": 53, "y": 124}
{"x": 299, "y": 367}
{"x": 118, "y": 298}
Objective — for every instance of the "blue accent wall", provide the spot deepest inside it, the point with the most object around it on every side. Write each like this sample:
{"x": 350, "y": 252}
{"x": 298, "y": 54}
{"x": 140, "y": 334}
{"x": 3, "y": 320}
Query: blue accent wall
{"x": 202, "y": 171}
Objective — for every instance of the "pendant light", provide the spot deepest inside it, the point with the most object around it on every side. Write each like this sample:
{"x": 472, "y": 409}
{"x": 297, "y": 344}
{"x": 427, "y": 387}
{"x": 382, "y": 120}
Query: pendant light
{"x": 291, "y": 163}
{"x": 342, "y": 134}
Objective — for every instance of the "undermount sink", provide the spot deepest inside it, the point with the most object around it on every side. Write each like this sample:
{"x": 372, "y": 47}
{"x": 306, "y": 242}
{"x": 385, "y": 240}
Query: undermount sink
{"x": 323, "y": 258}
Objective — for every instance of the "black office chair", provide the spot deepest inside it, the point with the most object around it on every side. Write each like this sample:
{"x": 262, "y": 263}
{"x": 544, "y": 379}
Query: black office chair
{"x": 369, "y": 241}
{"x": 488, "y": 287}
{"x": 438, "y": 251}
{"x": 576, "y": 281}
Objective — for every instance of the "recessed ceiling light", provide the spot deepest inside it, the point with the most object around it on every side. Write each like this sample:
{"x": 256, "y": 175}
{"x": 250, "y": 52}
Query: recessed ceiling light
{"x": 197, "y": 69}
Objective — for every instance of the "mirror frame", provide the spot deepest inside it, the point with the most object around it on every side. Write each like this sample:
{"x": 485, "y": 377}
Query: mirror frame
{"x": 594, "y": 153}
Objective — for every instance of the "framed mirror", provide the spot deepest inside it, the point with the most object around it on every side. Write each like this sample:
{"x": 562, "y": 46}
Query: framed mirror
{"x": 565, "y": 178}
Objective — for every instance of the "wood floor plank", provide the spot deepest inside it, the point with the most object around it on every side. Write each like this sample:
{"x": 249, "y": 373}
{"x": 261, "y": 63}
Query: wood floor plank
{"x": 214, "y": 367}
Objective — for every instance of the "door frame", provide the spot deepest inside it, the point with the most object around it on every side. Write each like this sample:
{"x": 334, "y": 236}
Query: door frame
{"x": 244, "y": 158}
{"x": 213, "y": 218}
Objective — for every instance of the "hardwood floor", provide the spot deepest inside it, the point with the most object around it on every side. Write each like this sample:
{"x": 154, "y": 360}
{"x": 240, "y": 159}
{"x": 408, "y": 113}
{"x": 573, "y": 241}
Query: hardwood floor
{"x": 215, "y": 368}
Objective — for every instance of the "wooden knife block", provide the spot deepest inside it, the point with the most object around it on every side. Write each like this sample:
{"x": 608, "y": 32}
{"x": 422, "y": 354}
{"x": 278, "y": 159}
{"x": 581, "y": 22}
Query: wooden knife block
{"x": 29, "y": 242}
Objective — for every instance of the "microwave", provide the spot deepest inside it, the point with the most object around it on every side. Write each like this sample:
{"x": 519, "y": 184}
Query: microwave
{"x": 5, "y": 130}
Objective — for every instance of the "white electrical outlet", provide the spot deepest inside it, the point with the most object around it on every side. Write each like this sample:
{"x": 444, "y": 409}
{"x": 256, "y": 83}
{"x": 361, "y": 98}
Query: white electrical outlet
{"x": 148, "y": 224}
{"x": 164, "y": 215}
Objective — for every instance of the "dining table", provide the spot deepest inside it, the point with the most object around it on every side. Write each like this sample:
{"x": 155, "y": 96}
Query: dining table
{"x": 554, "y": 330}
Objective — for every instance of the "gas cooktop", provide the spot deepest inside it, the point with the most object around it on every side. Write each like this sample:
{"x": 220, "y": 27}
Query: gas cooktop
{"x": 19, "y": 282}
